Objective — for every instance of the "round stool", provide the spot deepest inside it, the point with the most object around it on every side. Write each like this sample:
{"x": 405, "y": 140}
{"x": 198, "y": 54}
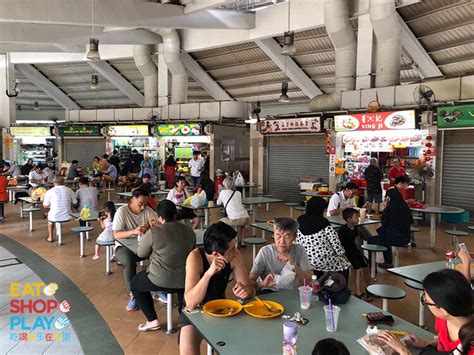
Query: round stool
{"x": 82, "y": 231}
{"x": 386, "y": 292}
{"x": 421, "y": 309}
{"x": 30, "y": 211}
{"x": 108, "y": 254}
{"x": 456, "y": 234}
{"x": 470, "y": 227}
{"x": 254, "y": 241}
{"x": 291, "y": 205}
{"x": 260, "y": 221}
{"x": 59, "y": 234}
{"x": 373, "y": 249}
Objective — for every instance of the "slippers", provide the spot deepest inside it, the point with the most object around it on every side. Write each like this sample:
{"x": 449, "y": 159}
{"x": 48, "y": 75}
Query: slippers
{"x": 364, "y": 297}
{"x": 49, "y": 241}
{"x": 146, "y": 328}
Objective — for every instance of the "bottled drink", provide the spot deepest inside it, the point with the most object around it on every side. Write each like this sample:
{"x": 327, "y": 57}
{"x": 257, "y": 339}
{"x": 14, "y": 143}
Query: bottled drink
{"x": 85, "y": 213}
{"x": 289, "y": 338}
{"x": 315, "y": 286}
{"x": 450, "y": 259}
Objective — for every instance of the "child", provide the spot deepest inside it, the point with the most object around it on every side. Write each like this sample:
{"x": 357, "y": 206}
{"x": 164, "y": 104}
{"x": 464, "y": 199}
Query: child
{"x": 106, "y": 222}
{"x": 348, "y": 234}
{"x": 330, "y": 346}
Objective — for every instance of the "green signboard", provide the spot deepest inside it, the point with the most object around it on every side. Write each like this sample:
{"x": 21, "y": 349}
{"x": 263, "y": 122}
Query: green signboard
{"x": 79, "y": 131}
{"x": 179, "y": 129}
{"x": 456, "y": 116}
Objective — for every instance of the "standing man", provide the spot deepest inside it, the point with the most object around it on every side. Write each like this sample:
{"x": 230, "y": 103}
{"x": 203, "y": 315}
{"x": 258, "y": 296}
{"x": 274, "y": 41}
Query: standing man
{"x": 115, "y": 160}
{"x": 134, "y": 162}
{"x": 343, "y": 199}
{"x": 196, "y": 165}
{"x": 37, "y": 176}
{"x": 374, "y": 177}
{"x": 396, "y": 170}
{"x": 60, "y": 200}
{"x": 131, "y": 221}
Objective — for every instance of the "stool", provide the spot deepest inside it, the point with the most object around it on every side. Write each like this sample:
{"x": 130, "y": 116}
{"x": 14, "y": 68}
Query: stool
{"x": 413, "y": 230}
{"x": 386, "y": 292}
{"x": 291, "y": 205}
{"x": 416, "y": 219}
{"x": 373, "y": 249}
{"x": 260, "y": 221}
{"x": 108, "y": 193}
{"x": 470, "y": 227}
{"x": 395, "y": 253}
{"x": 456, "y": 234}
{"x": 108, "y": 253}
{"x": 169, "y": 312}
{"x": 421, "y": 309}
{"x": 81, "y": 231}
{"x": 31, "y": 210}
{"x": 254, "y": 241}
{"x": 268, "y": 205}
{"x": 58, "y": 230}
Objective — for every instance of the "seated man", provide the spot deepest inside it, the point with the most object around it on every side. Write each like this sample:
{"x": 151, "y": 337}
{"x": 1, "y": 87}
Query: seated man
{"x": 37, "y": 176}
{"x": 208, "y": 270}
{"x": 74, "y": 170}
{"x": 282, "y": 265}
{"x": 343, "y": 199}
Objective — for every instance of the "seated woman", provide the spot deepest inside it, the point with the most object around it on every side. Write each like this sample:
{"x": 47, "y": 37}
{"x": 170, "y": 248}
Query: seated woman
{"x": 321, "y": 241}
{"x": 208, "y": 270}
{"x": 448, "y": 296}
{"x": 178, "y": 195}
{"x": 167, "y": 246}
{"x": 236, "y": 215}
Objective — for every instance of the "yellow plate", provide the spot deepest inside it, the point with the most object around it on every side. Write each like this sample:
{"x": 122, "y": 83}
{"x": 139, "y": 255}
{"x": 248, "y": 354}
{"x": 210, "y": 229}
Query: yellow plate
{"x": 259, "y": 311}
{"x": 222, "y": 308}
{"x": 271, "y": 221}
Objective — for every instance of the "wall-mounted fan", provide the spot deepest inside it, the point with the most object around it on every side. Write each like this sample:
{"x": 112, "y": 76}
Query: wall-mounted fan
{"x": 424, "y": 96}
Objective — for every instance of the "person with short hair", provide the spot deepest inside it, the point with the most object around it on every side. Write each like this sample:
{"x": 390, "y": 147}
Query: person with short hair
{"x": 396, "y": 170}
{"x": 106, "y": 220}
{"x": 111, "y": 174}
{"x": 373, "y": 175}
{"x": 114, "y": 159}
{"x": 282, "y": 265}
{"x": 343, "y": 199}
{"x": 196, "y": 165}
{"x": 208, "y": 270}
{"x": 178, "y": 195}
{"x": 130, "y": 221}
{"x": 37, "y": 176}
{"x": 86, "y": 195}
{"x": 208, "y": 185}
{"x": 27, "y": 167}
{"x": 59, "y": 200}
{"x": 330, "y": 346}
{"x": 73, "y": 171}
{"x": 170, "y": 168}
{"x": 400, "y": 184}
{"x": 14, "y": 170}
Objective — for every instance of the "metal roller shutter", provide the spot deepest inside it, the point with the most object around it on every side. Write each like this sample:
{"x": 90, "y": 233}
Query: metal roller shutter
{"x": 289, "y": 158}
{"x": 458, "y": 170}
{"x": 83, "y": 150}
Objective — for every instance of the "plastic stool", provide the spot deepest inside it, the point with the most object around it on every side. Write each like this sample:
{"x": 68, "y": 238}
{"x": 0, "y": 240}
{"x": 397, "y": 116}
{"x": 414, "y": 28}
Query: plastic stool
{"x": 291, "y": 205}
{"x": 395, "y": 253}
{"x": 421, "y": 309}
{"x": 81, "y": 231}
{"x": 58, "y": 230}
{"x": 386, "y": 292}
{"x": 108, "y": 193}
{"x": 373, "y": 249}
{"x": 108, "y": 253}
{"x": 456, "y": 234}
{"x": 30, "y": 211}
{"x": 254, "y": 241}
{"x": 169, "y": 312}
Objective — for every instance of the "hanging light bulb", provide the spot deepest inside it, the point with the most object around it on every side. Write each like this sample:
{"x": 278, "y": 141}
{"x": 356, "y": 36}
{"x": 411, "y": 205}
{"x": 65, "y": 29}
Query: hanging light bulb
{"x": 94, "y": 82}
{"x": 36, "y": 106}
{"x": 289, "y": 48}
{"x": 93, "y": 53}
{"x": 284, "y": 98}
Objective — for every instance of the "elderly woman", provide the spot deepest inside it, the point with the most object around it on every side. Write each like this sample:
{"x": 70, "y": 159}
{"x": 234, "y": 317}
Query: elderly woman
{"x": 236, "y": 215}
{"x": 320, "y": 240}
{"x": 282, "y": 265}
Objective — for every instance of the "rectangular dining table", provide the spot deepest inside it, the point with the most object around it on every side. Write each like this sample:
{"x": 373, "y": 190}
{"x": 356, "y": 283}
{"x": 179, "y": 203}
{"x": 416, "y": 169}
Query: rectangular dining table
{"x": 257, "y": 201}
{"x": 417, "y": 272}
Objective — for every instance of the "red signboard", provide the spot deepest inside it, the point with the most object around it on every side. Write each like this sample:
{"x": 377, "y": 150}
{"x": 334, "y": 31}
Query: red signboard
{"x": 375, "y": 121}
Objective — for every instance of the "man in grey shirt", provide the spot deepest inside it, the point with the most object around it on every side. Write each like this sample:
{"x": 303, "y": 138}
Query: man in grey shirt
{"x": 282, "y": 265}
{"x": 131, "y": 221}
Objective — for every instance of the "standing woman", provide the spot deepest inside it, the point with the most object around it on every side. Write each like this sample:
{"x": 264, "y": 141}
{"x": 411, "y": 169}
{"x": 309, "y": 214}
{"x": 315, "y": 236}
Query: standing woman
{"x": 170, "y": 170}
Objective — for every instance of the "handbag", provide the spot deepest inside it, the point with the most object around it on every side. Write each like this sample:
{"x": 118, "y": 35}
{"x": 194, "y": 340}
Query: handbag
{"x": 225, "y": 207}
{"x": 337, "y": 291}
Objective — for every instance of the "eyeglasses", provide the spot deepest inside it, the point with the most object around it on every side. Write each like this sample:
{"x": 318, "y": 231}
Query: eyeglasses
{"x": 424, "y": 302}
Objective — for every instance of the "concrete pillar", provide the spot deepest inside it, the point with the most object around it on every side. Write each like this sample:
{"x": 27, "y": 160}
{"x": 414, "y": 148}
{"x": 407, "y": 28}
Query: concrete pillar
{"x": 7, "y": 104}
{"x": 365, "y": 49}
{"x": 257, "y": 162}
{"x": 164, "y": 81}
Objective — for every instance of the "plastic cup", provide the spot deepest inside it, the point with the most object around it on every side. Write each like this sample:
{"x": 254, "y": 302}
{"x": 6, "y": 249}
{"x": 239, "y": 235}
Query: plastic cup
{"x": 210, "y": 203}
{"x": 331, "y": 317}
{"x": 362, "y": 213}
{"x": 305, "y": 296}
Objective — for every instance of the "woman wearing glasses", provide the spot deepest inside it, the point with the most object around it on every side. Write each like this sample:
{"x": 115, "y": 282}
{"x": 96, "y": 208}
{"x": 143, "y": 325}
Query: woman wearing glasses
{"x": 448, "y": 296}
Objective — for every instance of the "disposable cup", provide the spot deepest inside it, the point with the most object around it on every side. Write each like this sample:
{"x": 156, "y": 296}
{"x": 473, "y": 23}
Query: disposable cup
{"x": 210, "y": 203}
{"x": 305, "y": 296}
{"x": 362, "y": 213}
{"x": 331, "y": 317}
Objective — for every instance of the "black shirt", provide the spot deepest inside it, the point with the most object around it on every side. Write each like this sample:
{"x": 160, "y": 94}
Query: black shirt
{"x": 348, "y": 237}
{"x": 374, "y": 176}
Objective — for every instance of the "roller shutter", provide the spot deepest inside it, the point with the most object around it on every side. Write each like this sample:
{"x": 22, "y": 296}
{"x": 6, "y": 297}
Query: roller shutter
{"x": 458, "y": 170}
{"x": 83, "y": 150}
{"x": 291, "y": 157}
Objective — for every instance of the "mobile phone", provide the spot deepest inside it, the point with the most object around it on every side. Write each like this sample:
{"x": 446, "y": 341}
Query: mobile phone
{"x": 463, "y": 247}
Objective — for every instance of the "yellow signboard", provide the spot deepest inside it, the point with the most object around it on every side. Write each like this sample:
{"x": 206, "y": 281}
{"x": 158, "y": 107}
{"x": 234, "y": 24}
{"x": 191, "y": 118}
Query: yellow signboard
{"x": 127, "y": 131}
{"x": 30, "y": 131}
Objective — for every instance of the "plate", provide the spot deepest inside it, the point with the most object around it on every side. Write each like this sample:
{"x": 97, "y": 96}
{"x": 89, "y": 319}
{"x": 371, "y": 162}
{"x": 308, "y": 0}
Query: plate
{"x": 349, "y": 123}
{"x": 222, "y": 308}
{"x": 399, "y": 120}
{"x": 271, "y": 222}
{"x": 257, "y": 310}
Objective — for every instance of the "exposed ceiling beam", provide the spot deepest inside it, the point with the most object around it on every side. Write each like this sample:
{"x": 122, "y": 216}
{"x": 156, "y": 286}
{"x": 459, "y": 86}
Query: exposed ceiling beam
{"x": 438, "y": 10}
{"x": 108, "y": 72}
{"x": 202, "y": 5}
{"x": 412, "y": 49}
{"x": 288, "y": 65}
{"x": 40, "y": 48}
{"x": 204, "y": 79}
{"x": 42, "y": 82}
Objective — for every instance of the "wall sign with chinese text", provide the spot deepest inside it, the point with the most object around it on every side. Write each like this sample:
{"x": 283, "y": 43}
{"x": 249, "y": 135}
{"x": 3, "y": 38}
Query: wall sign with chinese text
{"x": 79, "y": 131}
{"x": 127, "y": 131}
{"x": 292, "y": 125}
{"x": 375, "y": 121}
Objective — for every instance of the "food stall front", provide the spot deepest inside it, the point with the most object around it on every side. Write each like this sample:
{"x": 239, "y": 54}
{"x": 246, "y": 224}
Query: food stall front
{"x": 126, "y": 138}
{"x": 75, "y": 138}
{"x": 33, "y": 142}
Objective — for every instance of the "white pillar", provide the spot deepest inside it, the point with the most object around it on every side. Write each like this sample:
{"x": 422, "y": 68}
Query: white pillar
{"x": 7, "y": 104}
{"x": 163, "y": 79}
{"x": 365, "y": 46}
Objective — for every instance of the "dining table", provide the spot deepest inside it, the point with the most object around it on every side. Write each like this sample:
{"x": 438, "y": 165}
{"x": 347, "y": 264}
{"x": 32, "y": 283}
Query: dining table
{"x": 418, "y": 272}
{"x": 257, "y": 201}
{"x": 29, "y": 201}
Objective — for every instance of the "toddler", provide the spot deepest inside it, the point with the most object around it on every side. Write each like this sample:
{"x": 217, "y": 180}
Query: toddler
{"x": 106, "y": 222}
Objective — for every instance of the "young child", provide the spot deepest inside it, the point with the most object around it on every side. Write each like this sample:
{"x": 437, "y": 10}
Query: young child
{"x": 106, "y": 222}
{"x": 348, "y": 234}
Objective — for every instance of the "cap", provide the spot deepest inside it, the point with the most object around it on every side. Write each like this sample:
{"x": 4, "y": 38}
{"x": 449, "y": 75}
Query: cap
{"x": 289, "y": 329}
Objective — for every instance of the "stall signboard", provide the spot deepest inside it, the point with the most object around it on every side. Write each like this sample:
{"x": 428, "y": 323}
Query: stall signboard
{"x": 455, "y": 117}
{"x": 25, "y": 131}
{"x": 378, "y": 121}
{"x": 382, "y": 141}
{"x": 127, "y": 131}
{"x": 291, "y": 125}
{"x": 179, "y": 129}
{"x": 79, "y": 131}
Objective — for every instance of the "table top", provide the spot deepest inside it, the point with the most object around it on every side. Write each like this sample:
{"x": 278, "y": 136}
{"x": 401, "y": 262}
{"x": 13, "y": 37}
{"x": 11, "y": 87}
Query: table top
{"x": 417, "y": 272}
{"x": 94, "y": 216}
{"x": 202, "y": 207}
{"x": 339, "y": 220}
{"x": 251, "y": 184}
{"x": 154, "y": 193}
{"x": 439, "y": 209}
{"x": 132, "y": 243}
{"x": 314, "y": 193}
{"x": 263, "y": 225}
{"x": 243, "y": 334}
{"x": 17, "y": 187}
{"x": 258, "y": 200}
{"x": 29, "y": 200}
{"x": 373, "y": 247}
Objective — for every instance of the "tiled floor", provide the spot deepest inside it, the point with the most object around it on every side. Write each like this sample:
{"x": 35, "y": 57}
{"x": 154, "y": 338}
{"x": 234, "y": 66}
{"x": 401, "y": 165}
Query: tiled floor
{"x": 108, "y": 294}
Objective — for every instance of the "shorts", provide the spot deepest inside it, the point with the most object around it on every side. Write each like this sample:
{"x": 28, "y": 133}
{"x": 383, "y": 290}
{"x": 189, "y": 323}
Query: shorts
{"x": 374, "y": 197}
{"x": 357, "y": 260}
{"x": 239, "y": 222}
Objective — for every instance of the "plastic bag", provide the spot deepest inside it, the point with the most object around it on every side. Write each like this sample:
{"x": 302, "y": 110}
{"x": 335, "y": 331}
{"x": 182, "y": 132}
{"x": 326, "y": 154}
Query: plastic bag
{"x": 38, "y": 193}
{"x": 187, "y": 202}
{"x": 85, "y": 213}
{"x": 239, "y": 180}
{"x": 285, "y": 281}
{"x": 198, "y": 199}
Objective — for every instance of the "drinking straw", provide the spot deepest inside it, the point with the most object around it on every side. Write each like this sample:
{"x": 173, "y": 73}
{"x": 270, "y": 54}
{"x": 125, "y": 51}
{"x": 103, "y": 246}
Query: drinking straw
{"x": 304, "y": 282}
{"x": 332, "y": 314}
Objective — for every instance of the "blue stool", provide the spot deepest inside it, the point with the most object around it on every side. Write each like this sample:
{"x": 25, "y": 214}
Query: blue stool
{"x": 82, "y": 231}
{"x": 108, "y": 254}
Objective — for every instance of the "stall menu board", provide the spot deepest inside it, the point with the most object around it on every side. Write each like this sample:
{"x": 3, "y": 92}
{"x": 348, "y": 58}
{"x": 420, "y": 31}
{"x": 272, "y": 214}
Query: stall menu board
{"x": 455, "y": 116}
{"x": 127, "y": 131}
{"x": 292, "y": 125}
{"x": 179, "y": 129}
{"x": 382, "y": 141}
{"x": 79, "y": 131}
{"x": 30, "y": 131}
{"x": 375, "y": 121}
{"x": 183, "y": 152}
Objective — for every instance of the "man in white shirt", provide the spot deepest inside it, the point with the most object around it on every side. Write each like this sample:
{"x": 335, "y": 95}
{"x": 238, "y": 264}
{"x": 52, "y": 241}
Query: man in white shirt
{"x": 37, "y": 176}
{"x": 60, "y": 200}
{"x": 196, "y": 165}
{"x": 342, "y": 200}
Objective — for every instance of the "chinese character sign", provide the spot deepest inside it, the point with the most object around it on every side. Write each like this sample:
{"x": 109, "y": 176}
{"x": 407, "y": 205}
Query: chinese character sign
{"x": 293, "y": 125}
{"x": 375, "y": 121}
